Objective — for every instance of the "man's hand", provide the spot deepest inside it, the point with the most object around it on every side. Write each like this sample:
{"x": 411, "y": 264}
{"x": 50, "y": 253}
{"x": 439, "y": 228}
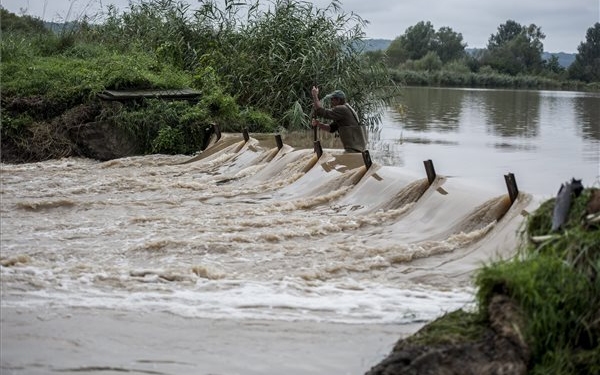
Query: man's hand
{"x": 315, "y": 92}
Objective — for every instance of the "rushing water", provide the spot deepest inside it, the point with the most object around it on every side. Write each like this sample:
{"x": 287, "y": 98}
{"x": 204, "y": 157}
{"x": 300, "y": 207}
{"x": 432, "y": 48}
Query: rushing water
{"x": 245, "y": 231}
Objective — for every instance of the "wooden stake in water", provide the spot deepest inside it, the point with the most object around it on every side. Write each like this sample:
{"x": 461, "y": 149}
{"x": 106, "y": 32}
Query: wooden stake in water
{"x": 511, "y": 185}
{"x": 318, "y": 149}
{"x": 367, "y": 159}
{"x": 430, "y": 171}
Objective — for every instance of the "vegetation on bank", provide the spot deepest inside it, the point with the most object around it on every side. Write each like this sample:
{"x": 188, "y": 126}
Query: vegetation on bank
{"x": 459, "y": 76}
{"x": 556, "y": 285}
{"x": 255, "y": 67}
{"x": 513, "y": 59}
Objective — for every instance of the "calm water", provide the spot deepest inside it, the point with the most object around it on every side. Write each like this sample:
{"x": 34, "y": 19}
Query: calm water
{"x": 246, "y": 231}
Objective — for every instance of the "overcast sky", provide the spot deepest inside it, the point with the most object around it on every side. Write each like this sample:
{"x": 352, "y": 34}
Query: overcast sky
{"x": 564, "y": 22}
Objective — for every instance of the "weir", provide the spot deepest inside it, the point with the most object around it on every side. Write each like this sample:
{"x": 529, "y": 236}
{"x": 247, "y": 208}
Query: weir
{"x": 367, "y": 184}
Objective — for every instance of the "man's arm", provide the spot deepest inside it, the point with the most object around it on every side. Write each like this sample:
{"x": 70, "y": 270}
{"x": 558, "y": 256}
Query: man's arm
{"x": 321, "y": 125}
{"x": 315, "y": 98}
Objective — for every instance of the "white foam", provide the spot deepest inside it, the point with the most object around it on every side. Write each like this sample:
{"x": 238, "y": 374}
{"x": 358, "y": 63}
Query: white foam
{"x": 347, "y": 301}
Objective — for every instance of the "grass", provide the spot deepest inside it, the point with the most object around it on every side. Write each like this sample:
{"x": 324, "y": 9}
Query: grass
{"x": 453, "y": 328}
{"x": 556, "y": 285}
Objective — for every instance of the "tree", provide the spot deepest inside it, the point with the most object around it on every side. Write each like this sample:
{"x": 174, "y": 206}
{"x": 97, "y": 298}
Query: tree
{"x": 552, "y": 65}
{"x": 506, "y": 32}
{"x": 449, "y": 44}
{"x": 24, "y": 24}
{"x": 413, "y": 44}
{"x": 516, "y": 49}
{"x": 421, "y": 39}
{"x": 586, "y": 66}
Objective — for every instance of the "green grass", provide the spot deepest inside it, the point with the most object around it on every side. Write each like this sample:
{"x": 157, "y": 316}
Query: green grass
{"x": 557, "y": 285}
{"x": 453, "y": 328}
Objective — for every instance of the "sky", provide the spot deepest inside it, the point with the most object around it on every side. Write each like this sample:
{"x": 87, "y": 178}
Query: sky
{"x": 564, "y": 22}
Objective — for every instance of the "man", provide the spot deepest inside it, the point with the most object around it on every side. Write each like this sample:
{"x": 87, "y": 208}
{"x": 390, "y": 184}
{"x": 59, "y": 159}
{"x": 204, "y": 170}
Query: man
{"x": 345, "y": 121}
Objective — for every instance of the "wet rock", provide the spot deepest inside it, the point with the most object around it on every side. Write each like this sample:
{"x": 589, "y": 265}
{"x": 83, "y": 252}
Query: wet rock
{"x": 104, "y": 141}
{"x": 501, "y": 351}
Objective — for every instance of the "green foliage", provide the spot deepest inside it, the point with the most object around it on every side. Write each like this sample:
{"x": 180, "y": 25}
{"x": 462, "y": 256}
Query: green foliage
{"x": 257, "y": 121}
{"x": 448, "y": 44}
{"x": 169, "y": 140}
{"x": 161, "y": 27}
{"x": 516, "y": 49}
{"x": 280, "y": 52}
{"x": 66, "y": 81}
{"x": 587, "y": 62}
{"x": 11, "y": 23}
{"x": 140, "y": 71}
{"x": 421, "y": 39}
{"x": 265, "y": 57}
{"x": 295, "y": 117}
{"x": 557, "y": 285}
{"x": 453, "y": 328}
{"x": 223, "y": 109}
{"x": 13, "y": 127}
{"x": 430, "y": 62}
{"x": 553, "y": 296}
{"x": 164, "y": 127}
{"x": 457, "y": 75}
{"x": 553, "y": 65}
{"x": 458, "y": 66}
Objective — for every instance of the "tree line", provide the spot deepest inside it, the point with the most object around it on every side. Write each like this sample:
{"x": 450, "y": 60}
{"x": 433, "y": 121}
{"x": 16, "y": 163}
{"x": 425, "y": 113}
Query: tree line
{"x": 513, "y": 50}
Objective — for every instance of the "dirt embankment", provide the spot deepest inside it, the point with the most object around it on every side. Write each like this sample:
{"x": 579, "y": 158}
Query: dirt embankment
{"x": 52, "y": 133}
{"x": 500, "y": 350}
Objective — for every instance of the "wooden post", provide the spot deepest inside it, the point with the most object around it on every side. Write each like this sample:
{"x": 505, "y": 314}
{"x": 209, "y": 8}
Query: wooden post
{"x": 315, "y": 137}
{"x": 430, "y": 171}
{"x": 367, "y": 159}
{"x": 318, "y": 149}
{"x": 511, "y": 185}
{"x": 278, "y": 141}
{"x": 246, "y": 136}
{"x": 217, "y": 131}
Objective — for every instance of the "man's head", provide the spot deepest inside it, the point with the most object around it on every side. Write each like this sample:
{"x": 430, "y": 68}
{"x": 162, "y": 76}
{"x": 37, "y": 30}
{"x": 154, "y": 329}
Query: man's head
{"x": 337, "y": 97}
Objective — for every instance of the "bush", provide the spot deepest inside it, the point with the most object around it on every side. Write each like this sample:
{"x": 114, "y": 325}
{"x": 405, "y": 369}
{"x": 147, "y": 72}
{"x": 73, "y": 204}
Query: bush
{"x": 164, "y": 127}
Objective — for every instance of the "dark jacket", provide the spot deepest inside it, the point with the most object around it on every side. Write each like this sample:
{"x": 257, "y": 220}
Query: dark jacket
{"x": 352, "y": 134}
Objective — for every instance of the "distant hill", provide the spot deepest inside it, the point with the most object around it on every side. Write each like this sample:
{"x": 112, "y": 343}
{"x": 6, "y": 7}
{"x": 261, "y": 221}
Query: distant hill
{"x": 564, "y": 59}
{"x": 376, "y": 44}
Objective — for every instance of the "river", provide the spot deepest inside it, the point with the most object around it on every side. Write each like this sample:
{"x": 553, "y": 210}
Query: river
{"x": 249, "y": 259}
